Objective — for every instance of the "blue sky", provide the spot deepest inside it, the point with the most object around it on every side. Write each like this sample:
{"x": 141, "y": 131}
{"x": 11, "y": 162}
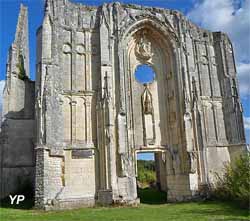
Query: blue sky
{"x": 145, "y": 156}
{"x": 9, "y": 10}
{"x": 230, "y": 16}
{"x": 144, "y": 74}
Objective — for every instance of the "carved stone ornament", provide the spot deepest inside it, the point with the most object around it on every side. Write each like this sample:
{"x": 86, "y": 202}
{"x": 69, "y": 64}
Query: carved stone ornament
{"x": 147, "y": 101}
{"x": 66, "y": 48}
{"x": 192, "y": 161}
{"x": 80, "y": 49}
{"x": 143, "y": 49}
{"x": 204, "y": 60}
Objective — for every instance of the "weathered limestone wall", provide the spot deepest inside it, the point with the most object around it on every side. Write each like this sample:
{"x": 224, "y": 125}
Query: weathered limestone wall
{"x": 17, "y": 156}
{"x": 22, "y": 37}
{"x": 66, "y": 119}
{"x": 89, "y": 104}
{"x": 19, "y": 99}
{"x": 17, "y": 133}
{"x": 63, "y": 180}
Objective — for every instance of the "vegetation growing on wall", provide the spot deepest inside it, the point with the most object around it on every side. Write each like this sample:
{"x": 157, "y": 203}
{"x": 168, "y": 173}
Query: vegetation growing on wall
{"x": 235, "y": 184}
{"x": 22, "y": 73}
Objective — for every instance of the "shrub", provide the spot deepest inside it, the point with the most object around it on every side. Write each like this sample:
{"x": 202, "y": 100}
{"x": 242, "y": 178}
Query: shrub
{"x": 235, "y": 183}
{"x": 22, "y": 73}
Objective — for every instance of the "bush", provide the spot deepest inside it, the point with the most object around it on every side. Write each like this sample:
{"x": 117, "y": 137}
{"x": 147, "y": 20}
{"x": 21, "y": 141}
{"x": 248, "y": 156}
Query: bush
{"x": 22, "y": 73}
{"x": 235, "y": 184}
{"x": 146, "y": 172}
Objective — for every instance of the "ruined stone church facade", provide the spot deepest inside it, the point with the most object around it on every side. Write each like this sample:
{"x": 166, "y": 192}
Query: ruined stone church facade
{"x": 74, "y": 133}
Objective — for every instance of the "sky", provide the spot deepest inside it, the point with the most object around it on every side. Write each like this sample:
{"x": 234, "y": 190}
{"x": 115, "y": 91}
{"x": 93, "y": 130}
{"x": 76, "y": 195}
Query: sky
{"x": 229, "y": 16}
{"x": 144, "y": 74}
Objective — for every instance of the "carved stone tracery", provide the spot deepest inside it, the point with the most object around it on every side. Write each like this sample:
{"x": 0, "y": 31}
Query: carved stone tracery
{"x": 143, "y": 49}
{"x": 147, "y": 101}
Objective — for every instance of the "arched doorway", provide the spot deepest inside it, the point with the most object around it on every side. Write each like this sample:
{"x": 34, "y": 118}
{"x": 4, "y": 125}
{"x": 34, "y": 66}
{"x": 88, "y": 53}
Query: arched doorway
{"x": 147, "y": 115}
{"x": 152, "y": 120}
{"x": 150, "y": 65}
{"x": 151, "y": 168}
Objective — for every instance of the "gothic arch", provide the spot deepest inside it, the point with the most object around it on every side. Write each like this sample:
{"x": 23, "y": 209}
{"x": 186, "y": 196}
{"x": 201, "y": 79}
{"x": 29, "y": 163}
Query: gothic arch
{"x": 159, "y": 48}
{"x": 164, "y": 59}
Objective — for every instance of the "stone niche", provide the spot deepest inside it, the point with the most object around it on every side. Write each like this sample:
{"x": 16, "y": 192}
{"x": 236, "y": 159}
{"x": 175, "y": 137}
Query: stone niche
{"x": 150, "y": 115}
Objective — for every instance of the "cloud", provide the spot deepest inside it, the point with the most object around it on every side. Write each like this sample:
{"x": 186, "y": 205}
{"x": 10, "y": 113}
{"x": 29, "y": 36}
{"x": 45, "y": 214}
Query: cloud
{"x": 228, "y": 16}
{"x": 244, "y": 78}
{"x": 233, "y": 18}
{"x": 247, "y": 123}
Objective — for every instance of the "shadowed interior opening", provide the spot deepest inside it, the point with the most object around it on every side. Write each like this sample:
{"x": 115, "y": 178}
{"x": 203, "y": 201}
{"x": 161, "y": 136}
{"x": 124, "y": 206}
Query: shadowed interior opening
{"x": 148, "y": 186}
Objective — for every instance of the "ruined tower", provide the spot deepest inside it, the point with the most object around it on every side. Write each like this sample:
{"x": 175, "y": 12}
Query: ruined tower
{"x": 17, "y": 129}
{"x": 93, "y": 117}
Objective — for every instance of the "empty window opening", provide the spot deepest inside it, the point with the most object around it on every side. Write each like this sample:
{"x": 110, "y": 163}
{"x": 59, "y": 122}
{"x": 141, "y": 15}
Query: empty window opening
{"x": 144, "y": 74}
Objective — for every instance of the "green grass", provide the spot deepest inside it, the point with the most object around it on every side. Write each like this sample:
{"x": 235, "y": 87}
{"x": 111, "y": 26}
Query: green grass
{"x": 211, "y": 210}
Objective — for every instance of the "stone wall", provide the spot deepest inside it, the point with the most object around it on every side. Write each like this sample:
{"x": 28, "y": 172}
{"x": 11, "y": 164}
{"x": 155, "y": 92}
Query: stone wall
{"x": 89, "y": 98}
{"x": 17, "y": 156}
{"x": 63, "y": 179}
{"x": 18, "y": 125}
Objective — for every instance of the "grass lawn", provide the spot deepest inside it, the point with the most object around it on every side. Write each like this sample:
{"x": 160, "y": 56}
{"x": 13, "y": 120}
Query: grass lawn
{"x": 153, "y": 207}
{"x": 210, "y": 210}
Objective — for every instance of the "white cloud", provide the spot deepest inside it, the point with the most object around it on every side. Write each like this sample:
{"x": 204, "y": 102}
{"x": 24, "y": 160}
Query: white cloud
{"x": 223, "y": 15}
{"x": 244, "y": 78}
{"x": 247, "y": 123}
